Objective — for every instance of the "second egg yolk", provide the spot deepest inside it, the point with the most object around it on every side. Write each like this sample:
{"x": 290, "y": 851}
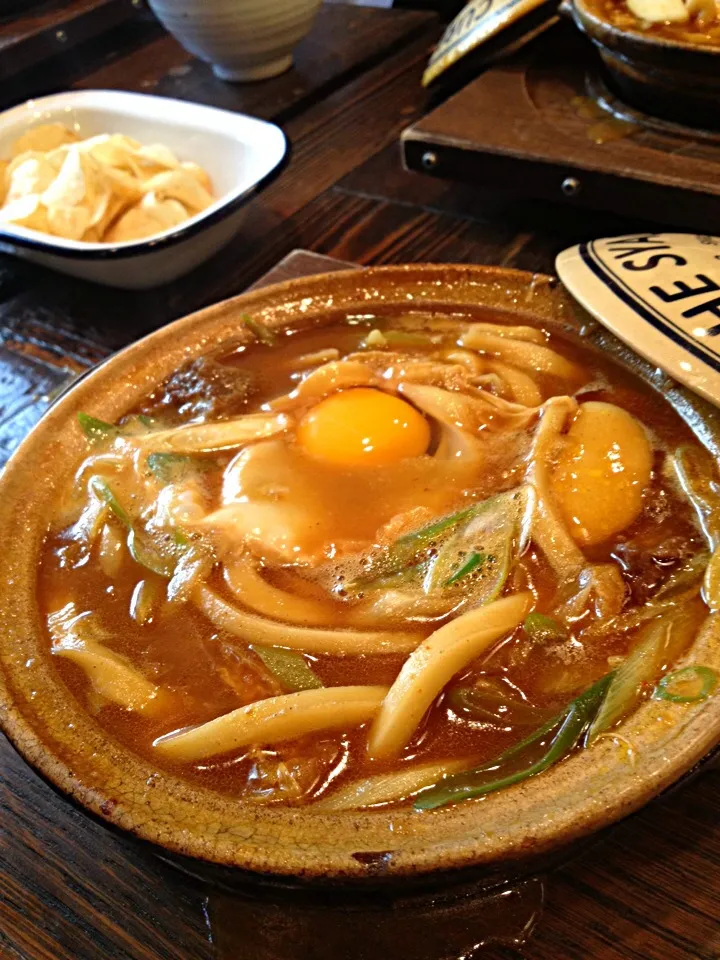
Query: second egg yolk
{"x": 363, "y": 427}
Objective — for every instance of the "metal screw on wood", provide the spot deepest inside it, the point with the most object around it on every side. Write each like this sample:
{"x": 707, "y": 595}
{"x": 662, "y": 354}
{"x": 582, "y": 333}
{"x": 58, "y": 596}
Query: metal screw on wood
{"x": 429, "y": 160}
{"x": 570, "y": 186}
{"x": 60, "y": 36}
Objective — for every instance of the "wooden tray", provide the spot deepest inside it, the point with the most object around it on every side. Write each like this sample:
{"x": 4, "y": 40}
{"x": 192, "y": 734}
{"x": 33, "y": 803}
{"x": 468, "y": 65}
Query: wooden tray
{"x": 520, "y": 126}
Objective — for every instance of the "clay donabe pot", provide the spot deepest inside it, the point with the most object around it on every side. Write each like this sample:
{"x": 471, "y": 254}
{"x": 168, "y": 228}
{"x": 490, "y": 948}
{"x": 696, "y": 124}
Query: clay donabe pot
{"x": 502, "y": 831}
{"x": 666, "y": 78}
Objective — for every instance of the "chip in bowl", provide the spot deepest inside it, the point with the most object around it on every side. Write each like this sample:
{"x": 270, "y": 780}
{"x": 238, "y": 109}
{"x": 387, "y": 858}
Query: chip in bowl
{"x": 41, "y": 139}
{"x": 108, "y": 188}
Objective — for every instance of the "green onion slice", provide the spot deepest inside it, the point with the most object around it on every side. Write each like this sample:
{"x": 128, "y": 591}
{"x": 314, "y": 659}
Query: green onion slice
{"x": 175, "y": 467}
{"x": 409, "y": 577}
{"x": 142, "y": 551}
{"x": 260, "y": 331}
{"x": 407, "y": 551}
{"x": 100, "y": 431}
{"x": 474, "y": 561}
{"x": 541, "y": 628}
{"x": 555, "y": 738}
{"x": 96, "y": 430}
{"x": 704, "y": 676}
{"x": 290, "y": 668}
{"x": 484, "y": 537}
{"x": 101, "y": 488}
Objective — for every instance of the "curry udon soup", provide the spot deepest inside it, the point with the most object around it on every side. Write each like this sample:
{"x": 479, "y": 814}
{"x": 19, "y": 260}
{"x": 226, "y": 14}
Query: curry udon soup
{"x": 402, "y": 559}
{"x": 685, "y": 21}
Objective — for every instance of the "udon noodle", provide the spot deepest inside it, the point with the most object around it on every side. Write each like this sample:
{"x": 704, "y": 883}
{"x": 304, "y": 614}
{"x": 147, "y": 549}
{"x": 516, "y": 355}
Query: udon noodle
{"x": 399, "y": 558}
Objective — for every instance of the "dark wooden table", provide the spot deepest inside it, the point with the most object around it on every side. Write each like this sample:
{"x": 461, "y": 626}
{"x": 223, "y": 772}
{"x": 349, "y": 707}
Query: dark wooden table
{"x": 69, "y": 889}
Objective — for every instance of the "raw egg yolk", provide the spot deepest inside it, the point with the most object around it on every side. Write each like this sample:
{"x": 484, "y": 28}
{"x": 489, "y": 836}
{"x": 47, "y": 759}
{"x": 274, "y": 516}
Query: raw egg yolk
{"x": 363, "y": 427}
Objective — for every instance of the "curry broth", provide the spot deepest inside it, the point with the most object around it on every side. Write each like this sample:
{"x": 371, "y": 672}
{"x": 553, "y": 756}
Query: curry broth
{"x": 208, "y": 671}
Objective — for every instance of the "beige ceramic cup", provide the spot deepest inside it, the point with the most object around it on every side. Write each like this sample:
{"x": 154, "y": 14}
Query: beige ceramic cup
{"x": 242, "y": 39}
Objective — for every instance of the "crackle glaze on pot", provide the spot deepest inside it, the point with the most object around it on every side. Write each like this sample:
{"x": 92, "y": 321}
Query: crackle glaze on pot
{"x": 53, "y": 732}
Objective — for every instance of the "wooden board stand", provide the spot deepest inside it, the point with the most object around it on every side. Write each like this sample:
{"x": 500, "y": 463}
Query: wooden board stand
{"x": 519, "y": 126}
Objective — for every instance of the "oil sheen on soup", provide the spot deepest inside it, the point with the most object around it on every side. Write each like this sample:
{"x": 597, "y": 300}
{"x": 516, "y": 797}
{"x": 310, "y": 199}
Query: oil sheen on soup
{"x": 397, "y": 559}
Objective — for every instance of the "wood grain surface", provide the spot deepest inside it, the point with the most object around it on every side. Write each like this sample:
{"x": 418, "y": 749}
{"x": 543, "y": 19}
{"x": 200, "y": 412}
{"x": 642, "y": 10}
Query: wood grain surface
{"x": 72, "y": 890}
{"x": 40, "y": 31}
{"x": 344, "y": 42}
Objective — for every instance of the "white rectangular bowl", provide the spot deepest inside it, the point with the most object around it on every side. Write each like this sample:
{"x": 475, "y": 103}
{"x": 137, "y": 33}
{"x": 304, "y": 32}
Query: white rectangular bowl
{"x": 239, "y": 152}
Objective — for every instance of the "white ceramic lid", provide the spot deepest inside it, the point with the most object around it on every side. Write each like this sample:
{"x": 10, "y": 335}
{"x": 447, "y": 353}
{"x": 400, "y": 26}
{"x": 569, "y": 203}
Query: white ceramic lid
{"x": 660, "y": 293}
